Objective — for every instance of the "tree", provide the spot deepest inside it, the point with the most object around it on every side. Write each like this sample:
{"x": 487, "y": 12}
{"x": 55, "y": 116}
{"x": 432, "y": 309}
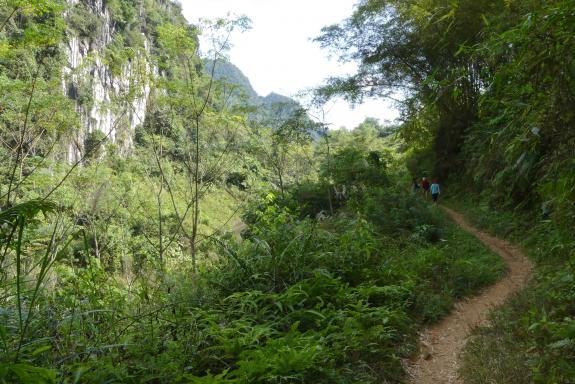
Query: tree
{"x": 419, "y": 49}
{"x": 34, "y": 114}
{"x": 282, "y": 141}
{"x": 199, "y": 113}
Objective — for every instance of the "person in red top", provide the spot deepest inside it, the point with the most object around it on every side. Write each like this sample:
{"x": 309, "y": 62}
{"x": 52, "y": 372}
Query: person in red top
{"x": 425, "y": 186}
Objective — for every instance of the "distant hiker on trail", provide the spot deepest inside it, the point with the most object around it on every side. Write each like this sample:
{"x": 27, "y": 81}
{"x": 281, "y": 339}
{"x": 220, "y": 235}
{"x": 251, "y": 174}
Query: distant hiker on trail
{"x": 435, "y": 190}
{"x": 414, "y": 186}
{"x": 425, "y": 186}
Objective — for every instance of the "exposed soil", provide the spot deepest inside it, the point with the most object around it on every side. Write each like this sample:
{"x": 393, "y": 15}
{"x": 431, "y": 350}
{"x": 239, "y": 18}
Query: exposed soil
{"x": 442, "y": 344}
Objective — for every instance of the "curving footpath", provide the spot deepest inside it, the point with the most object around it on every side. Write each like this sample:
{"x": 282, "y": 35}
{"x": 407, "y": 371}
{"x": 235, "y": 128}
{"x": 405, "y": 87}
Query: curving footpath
{"x": 443, "y": 343}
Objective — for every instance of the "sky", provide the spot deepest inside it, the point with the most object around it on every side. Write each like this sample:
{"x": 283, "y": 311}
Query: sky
{"x": 278, "y": 55}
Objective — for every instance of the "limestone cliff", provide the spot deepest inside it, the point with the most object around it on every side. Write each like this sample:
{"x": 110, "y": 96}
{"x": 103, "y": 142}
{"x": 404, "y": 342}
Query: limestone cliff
{"x": 111, "y": 58}
{"x": 109, "y": 51}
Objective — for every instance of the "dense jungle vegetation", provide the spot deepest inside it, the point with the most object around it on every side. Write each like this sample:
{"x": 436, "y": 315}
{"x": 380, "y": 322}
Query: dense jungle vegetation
{"x": 489, "y": 103}
{"x": 240, "y": 241}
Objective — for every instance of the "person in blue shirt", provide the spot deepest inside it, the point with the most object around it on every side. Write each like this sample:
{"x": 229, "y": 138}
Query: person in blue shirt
{"x": 435, "y": 190}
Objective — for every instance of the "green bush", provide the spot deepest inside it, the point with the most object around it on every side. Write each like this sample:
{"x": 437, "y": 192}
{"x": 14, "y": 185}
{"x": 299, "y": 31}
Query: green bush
{"x": 354, "y": 167}
{"x": 94, "y": 145}
{"x": 84, "y": 21}
{"x": 311, "y": 198}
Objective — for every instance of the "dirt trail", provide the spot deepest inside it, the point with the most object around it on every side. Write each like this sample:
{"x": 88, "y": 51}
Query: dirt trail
{"x": 443, "y": 343}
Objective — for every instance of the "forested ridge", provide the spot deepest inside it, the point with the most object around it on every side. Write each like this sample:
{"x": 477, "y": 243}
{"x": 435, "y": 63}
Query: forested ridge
{"x": 162, "y": 223}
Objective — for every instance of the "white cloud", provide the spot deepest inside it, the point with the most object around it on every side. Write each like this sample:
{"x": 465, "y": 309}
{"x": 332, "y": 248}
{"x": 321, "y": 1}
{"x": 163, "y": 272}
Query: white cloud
{"x": 277, "y": 54}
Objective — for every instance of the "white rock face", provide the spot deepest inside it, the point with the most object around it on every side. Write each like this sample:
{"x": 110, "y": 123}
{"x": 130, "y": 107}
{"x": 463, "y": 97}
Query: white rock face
{"x": 117, "y": 103}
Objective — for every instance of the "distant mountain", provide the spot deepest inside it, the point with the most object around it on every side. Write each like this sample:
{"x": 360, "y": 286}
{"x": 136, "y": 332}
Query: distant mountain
{"x": 265, "y": 106}
{"x": 229, "y": 73}
{"x": 276, "y": 98}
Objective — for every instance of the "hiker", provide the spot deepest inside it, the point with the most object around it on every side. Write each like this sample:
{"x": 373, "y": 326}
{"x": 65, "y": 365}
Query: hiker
{"x": 435, "y": 190}
{"x": 414, "y": 186}
{"x": 425, "y": 186}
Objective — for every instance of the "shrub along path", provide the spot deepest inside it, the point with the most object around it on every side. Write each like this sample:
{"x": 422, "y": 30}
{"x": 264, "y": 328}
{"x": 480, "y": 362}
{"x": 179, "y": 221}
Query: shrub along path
{"x": 443, "y": 343}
